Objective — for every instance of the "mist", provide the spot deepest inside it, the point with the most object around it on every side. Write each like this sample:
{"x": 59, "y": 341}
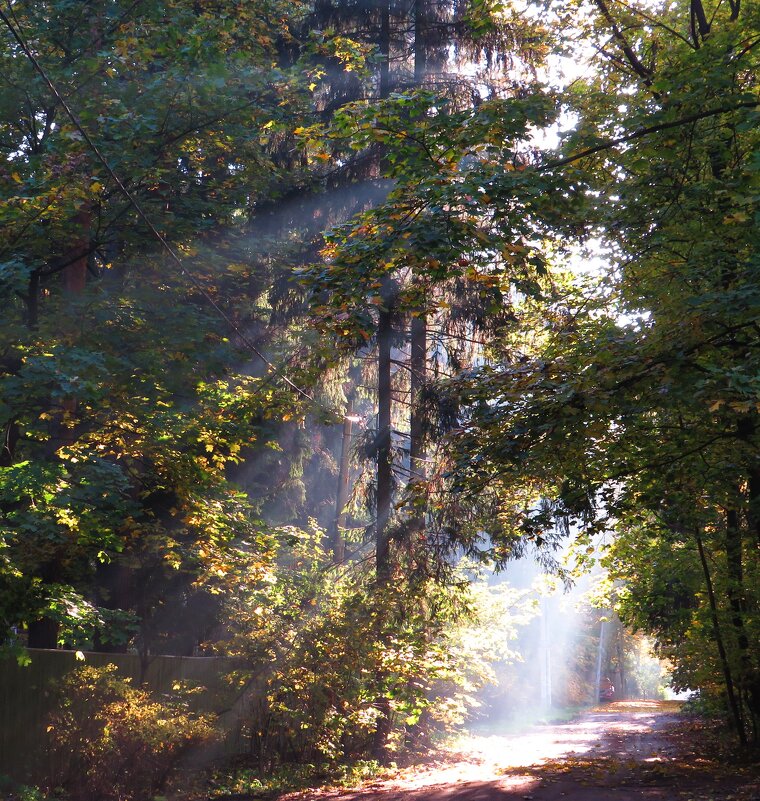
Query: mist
{"x": 563, "y": 651}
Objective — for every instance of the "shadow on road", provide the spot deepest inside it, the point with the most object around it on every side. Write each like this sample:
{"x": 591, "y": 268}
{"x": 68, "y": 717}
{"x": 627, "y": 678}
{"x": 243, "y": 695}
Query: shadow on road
{"x": 626, "y": 751}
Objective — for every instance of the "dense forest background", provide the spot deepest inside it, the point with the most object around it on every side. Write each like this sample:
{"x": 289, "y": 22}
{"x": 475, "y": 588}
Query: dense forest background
{"x": 316, "y": 312}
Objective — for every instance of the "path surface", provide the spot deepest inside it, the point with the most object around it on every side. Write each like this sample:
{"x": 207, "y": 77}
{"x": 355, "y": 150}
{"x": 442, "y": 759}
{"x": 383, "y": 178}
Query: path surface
{"x": 634, "y": 751}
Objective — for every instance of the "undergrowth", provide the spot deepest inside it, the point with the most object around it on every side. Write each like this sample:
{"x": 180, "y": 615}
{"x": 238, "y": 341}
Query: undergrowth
{"x": 237, "y": 781}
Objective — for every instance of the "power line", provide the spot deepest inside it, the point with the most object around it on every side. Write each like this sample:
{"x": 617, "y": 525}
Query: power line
{"x": 275, "y": 371}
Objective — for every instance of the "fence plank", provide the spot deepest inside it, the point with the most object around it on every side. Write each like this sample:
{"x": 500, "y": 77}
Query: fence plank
{"x": 27, "y": 694}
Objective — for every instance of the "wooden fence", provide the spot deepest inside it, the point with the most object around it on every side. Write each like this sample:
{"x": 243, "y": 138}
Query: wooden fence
{"x": 28, "y": 692}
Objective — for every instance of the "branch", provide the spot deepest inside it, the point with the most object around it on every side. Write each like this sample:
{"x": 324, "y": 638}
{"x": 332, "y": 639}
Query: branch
{"x": 639, "y": 133}
{"x": 699, "y": 22}
{"x": 743, "y": 52}
{"x": 57, "y": 268}
{"x": 635, "y": 62}
{"x": 657, "y": 23}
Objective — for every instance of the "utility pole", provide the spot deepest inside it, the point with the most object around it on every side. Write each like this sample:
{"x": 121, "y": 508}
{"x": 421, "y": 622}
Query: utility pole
{"x": 545, "y": 651}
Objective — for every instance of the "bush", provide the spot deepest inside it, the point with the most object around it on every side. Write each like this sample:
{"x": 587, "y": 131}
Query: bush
{"x": 109, "y": 740}
{"x": 332, "y": 658}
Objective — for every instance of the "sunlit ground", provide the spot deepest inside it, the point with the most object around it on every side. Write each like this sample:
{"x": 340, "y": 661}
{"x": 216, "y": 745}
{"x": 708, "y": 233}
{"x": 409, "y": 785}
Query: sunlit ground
{"x": 486, "y": 758}
{"x": 627, "y": 751}
{"x": 540, "y": 743}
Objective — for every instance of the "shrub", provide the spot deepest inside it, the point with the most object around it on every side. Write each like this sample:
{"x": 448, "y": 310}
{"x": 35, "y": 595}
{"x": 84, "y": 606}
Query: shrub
{"x": 331, "y": 655}
{"x": 110, "y": 740}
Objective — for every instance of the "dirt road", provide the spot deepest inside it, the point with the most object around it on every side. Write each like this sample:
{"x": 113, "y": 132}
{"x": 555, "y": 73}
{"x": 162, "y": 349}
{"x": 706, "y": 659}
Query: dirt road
{"x": 634, "y": 751}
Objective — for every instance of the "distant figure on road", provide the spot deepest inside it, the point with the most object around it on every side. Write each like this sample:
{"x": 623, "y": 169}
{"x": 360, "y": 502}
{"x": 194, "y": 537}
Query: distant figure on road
{"x": 606, "y": 690}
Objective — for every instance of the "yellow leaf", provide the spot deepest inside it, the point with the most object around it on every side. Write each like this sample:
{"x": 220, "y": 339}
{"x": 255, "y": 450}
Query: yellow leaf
{"x": 16, "y": 177}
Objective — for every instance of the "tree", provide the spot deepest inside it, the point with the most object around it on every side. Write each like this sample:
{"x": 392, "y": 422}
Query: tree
{"x": 114, "y": 497}
{"x": 375, "y": 290}
{"x": 637, "y": 407}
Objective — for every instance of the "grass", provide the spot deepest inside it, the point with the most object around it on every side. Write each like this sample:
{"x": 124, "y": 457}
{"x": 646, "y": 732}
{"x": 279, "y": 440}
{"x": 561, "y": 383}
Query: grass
{"x": 246, "y": 782}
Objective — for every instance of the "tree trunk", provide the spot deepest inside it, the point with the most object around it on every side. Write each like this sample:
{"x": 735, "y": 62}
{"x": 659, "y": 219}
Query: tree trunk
{"x": 383, "y": 563}
{"x": 384, "y": 49}
{"x": 384, "y": 466}
{"x": 420, "y": 44}
{"x": 418, "y": 365}
{"x": 384, "y": 342}
{"x": 727, "y": 674}
{"x": 43, "y": 632}
{"x": 75, "y": 274}
{"x": 418, "y": 355}
{"x": 32, "y": 301}
{"x": 623, "y": 694}
{"x": 754, "y": 504}
{"x": 10, "y": 435}
{"x": 748, "y": 680}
